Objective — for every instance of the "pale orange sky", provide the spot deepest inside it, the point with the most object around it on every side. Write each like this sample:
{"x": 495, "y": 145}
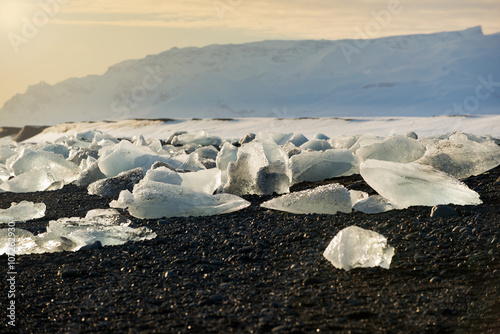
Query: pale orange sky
{"x": 52, "y": 40}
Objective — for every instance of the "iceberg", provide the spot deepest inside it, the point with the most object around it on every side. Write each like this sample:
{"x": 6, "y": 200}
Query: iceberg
{"x": 23, "y": 211}
{"x": 70, "y": 234}
{"x": 326, "y": 199}
{"x": 408, "y": 184}
{"x": 322, "y": 165}
{"x": 151, "y": 199}
{"x": 461, "y": 155}
{"x": 354, "y": 247}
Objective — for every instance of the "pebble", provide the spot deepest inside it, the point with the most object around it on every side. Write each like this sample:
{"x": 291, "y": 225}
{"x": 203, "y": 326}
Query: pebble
{"x": 443, "y": 211}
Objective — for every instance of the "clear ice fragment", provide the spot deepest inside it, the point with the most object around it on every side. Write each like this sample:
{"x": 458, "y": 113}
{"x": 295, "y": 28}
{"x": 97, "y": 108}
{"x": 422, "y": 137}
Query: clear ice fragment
{"x": 354, "y": 247}
{"x": 23, "y": 211}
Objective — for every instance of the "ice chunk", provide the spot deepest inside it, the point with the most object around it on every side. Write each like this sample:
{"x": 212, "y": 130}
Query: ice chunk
{"x": 90, "y": 172}
{"x": 207, "y": 152}
{"x": 395, "y": 148}
{"x": 70, "y": 234}
{"x": 6, "y": 151}
{"x": 276, "y": 137}
{"x": 104, "y": 225}
{"x": 41, "y": 179}
{"x": 320, "y": 136}
{"x": 343, "y": 141}
{"x": 25, "y": 242}
{"x": 206, "y": 181}
{"x": 199, "y": 137}
{"x": 252, "y": 169}
{"x": 316, "y": 145}
{"x": 326, "y": 199}
{"x": 373, "y": 204}
{"x": 410, "y": 184}
{"x": 461, "y": 155}
{"x": 111, "y": 187}
{"x": 151, "y": 199}
{"x": 318, "y": 166}
{"x": 355, "y": 247}
{"x": 227, "y": 154}
{"x": 298, "y": 139}
{"x": 28, "y": 160}
{"x": 190, "y": 162}
{"x": 22, "y": 211}
{"x": 124, "y": 156}
{"x": 165, "y": 175}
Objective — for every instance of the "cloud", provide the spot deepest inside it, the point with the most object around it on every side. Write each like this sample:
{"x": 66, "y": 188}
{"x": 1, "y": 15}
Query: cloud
{"x": 327, "y": 19}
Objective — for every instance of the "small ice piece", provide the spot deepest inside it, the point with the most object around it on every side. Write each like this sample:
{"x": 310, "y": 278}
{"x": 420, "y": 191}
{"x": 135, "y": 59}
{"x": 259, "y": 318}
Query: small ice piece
{"x": 316, "y": 145}
{"x": 298, "y": 139}
{"x": 23, "y": 211}
{"x": 276, "y": 137}
{"x": 111, "y": 187}
{"x": 343, "y": 141}
{"x": 395, "y": 148}
{"x": 190, "y": 162}
{"x": 354, "y": 247}
{"x": 461, "y": 155}
{"x": 373, "y": 204}
{"x": 408, "y": 184}
{"x": 357, "y": 196}
{"x": 227, "y": 154}
{"x": 208, "y": 152}
{"x": 90, "y": 172}
{"x": 326, "y": 199}
{"x": 197, "y": 137}
{"x": 317, "y": 166}
{"x": 151, "y": 199}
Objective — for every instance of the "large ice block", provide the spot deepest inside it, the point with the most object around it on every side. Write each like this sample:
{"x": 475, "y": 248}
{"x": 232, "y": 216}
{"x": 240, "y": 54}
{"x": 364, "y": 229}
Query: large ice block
{"x": 395, "y": 148}
{"x": 23, "y": 211}
{"x": 355, "y": 247}
{"x": 318, "y": 166}
{"x": 461, "y": 155}
{"x": 326, "y": 199}
{"x": 151, "y": 199}
{"x": 408, "y": 184}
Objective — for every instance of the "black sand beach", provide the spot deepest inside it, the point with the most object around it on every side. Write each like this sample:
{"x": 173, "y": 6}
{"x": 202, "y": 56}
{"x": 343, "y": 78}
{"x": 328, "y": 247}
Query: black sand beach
{"x": 261, "y": 271}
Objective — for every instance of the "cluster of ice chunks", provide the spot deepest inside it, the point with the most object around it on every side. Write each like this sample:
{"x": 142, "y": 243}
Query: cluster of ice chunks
{"x": 264, "y": 163}
{"x": 70, "y": 234}
{"x": 23, "y": 211}
{"x": 461, "y": 155}
{"x": 355, "y": 247}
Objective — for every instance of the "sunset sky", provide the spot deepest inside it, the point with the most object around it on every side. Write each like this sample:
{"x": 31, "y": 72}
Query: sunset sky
{"x": 52, "y": 40}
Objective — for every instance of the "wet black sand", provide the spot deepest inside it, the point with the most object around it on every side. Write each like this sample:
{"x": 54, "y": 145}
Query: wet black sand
{"x": 260, "y": 271}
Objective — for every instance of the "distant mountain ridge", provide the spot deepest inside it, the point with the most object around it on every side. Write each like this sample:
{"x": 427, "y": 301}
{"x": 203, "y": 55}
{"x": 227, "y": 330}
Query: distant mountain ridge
{"x": 413, "y": 75}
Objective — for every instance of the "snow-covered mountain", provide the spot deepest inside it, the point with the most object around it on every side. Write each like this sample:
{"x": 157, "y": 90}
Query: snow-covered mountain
{"x": 416, "y": 75}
